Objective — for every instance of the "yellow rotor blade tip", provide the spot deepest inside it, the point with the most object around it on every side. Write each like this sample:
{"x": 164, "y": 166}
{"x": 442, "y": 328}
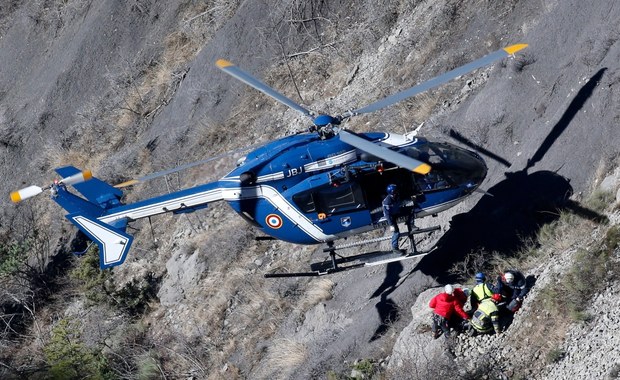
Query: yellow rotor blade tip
{"x": 422, "y": 169}
{"x": 126, "y": 183}
{"x": 514, "y": 48}
{"x": 15, "y": 197}
{"x": 223, "y": 63}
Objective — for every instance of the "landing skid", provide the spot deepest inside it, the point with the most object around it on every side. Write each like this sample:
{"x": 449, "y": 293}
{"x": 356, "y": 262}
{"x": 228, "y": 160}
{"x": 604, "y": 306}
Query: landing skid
{"x": 335, "y": 263}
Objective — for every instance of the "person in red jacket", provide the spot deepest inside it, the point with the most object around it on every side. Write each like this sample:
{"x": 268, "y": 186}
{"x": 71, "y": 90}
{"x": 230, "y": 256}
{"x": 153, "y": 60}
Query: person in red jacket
{"x": 446, "y": 305}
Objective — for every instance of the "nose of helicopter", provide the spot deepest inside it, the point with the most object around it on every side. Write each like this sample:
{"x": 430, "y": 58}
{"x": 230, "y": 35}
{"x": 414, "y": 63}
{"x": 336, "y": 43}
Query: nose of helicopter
{"x": 463, "y": 168}
{"x": 477, "y": 170}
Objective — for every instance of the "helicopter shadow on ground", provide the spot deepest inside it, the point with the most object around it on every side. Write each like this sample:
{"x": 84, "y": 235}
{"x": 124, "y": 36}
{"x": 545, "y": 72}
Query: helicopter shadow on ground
{"x": 520, "y": 204}
{"x": 388, "y": 310}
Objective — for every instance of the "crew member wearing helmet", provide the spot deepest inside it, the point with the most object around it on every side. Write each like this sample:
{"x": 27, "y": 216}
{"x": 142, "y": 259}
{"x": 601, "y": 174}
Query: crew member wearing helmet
{"x": 445, "y": 305}
{"x": 486, "y": 317}
{"x": 480, "y": 292}
{"x": 391, "y": 209}
{"x": 513, "y": 286}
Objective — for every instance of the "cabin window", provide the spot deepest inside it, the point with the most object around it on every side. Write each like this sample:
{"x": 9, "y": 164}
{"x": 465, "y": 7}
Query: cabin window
{"x": 305, "y": 201}
{"x": 332, "y": 200}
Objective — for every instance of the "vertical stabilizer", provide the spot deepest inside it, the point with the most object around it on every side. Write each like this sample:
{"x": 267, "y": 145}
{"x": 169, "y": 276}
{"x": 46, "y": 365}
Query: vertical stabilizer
{"x": 113, "y": 243}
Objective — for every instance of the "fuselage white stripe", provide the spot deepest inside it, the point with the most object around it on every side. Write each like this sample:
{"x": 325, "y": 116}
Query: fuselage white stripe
{"x": 270, "y": 177}
{"x": 232, "y": 194}
{"x": 173, "y": 204}
{"x": 330, "y": 162}
{"x": 278, "y": 201}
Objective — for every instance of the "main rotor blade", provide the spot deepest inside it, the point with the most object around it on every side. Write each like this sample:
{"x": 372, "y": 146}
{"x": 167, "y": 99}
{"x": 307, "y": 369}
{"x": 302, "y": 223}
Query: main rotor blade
{"x": 232, "y": 70}
{"x": 384, "y": 153}
{"x": 441, "y": 79}
{"x": 182, "y": 167}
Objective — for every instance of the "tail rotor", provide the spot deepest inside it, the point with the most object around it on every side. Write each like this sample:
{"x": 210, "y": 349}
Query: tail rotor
{"x": 32, "y": 191}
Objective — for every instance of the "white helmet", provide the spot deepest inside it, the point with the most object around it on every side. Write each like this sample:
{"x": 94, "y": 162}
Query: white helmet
{"x": 509, "y": 277}
{"x": 449, "y": 289}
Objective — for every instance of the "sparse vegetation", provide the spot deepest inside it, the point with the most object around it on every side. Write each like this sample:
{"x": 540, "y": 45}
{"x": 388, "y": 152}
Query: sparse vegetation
{"x": 473, "y": 263}
{"x": 562, "y": 233}
{"x": 365, "y": 369}
{"x": 589, "y": 275}
{"x": 147, "y": 368}
{"x": 555, "y": 355}
{"x": 600, "y": 200}
{"x": 12, "y": 257}
{"x": 97, "y": 285}
{"x": 90, "y": 277}
{"x": 284, "y": 356}
{"x": 69, "y": 358}
{"x": 320, "y": 290}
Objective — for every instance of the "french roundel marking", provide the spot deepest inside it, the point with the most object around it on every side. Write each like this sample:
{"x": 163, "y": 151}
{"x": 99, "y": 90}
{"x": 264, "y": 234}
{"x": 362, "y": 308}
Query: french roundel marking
{"x": 274, "y": 221}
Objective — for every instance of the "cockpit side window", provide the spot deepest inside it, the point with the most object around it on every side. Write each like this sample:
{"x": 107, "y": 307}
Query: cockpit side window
{"x": 432, "y": 181}
{"x": 451, "y": 165}
{"x": 431, "y": 153}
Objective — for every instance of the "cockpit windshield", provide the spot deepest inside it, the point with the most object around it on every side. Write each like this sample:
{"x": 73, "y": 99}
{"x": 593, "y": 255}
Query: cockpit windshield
{"x": 456, "y": 165}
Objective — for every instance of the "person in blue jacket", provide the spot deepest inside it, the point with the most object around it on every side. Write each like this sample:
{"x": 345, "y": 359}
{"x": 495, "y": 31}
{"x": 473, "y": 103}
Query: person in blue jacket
{"x": 391, "y": 210}
{"x": 512, "y": 285}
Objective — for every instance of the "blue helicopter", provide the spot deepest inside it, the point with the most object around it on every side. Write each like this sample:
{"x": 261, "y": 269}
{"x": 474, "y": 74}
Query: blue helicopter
{"x": 314, "y": 187}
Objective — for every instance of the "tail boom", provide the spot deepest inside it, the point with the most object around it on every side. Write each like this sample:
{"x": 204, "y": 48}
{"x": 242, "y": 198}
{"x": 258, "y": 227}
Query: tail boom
{"x": 106, "y": 225}
{"x": 181, "y": 201}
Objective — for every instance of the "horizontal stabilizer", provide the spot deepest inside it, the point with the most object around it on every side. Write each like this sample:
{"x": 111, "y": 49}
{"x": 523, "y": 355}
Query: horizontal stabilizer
{"x": 113, "y": 243}
{"x": 95, "y": 190}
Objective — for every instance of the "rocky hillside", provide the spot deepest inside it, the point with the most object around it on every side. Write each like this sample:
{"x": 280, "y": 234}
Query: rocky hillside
{"x": 565, "y": 328}
{"x": 129, "y": 88}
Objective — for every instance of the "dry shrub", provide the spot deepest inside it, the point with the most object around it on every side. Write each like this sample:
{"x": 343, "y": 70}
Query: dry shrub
{"x": 474, "y": 262}
{"x": 199, "y": 17}
{"x": 210, "y": 140}
{"x": 319, "y": 290}
{"x": 425, "y": 361}
{"x": 220, "y": 289}
{"x": 228, "y": 372}
{"x": 600, "y": 200}
{"x": 563, "y": 233}
{"x": 234, "y": 311}
{"x": 284, "y": 356}
{"x": 524, "y": 259}
{"x": 53, "y": 156}
{"x": 589, "y": 274}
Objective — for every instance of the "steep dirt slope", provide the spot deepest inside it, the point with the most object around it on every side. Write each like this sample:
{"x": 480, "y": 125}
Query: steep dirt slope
{"x": 129, "y": 89}
{"x": 540, "y": 112}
